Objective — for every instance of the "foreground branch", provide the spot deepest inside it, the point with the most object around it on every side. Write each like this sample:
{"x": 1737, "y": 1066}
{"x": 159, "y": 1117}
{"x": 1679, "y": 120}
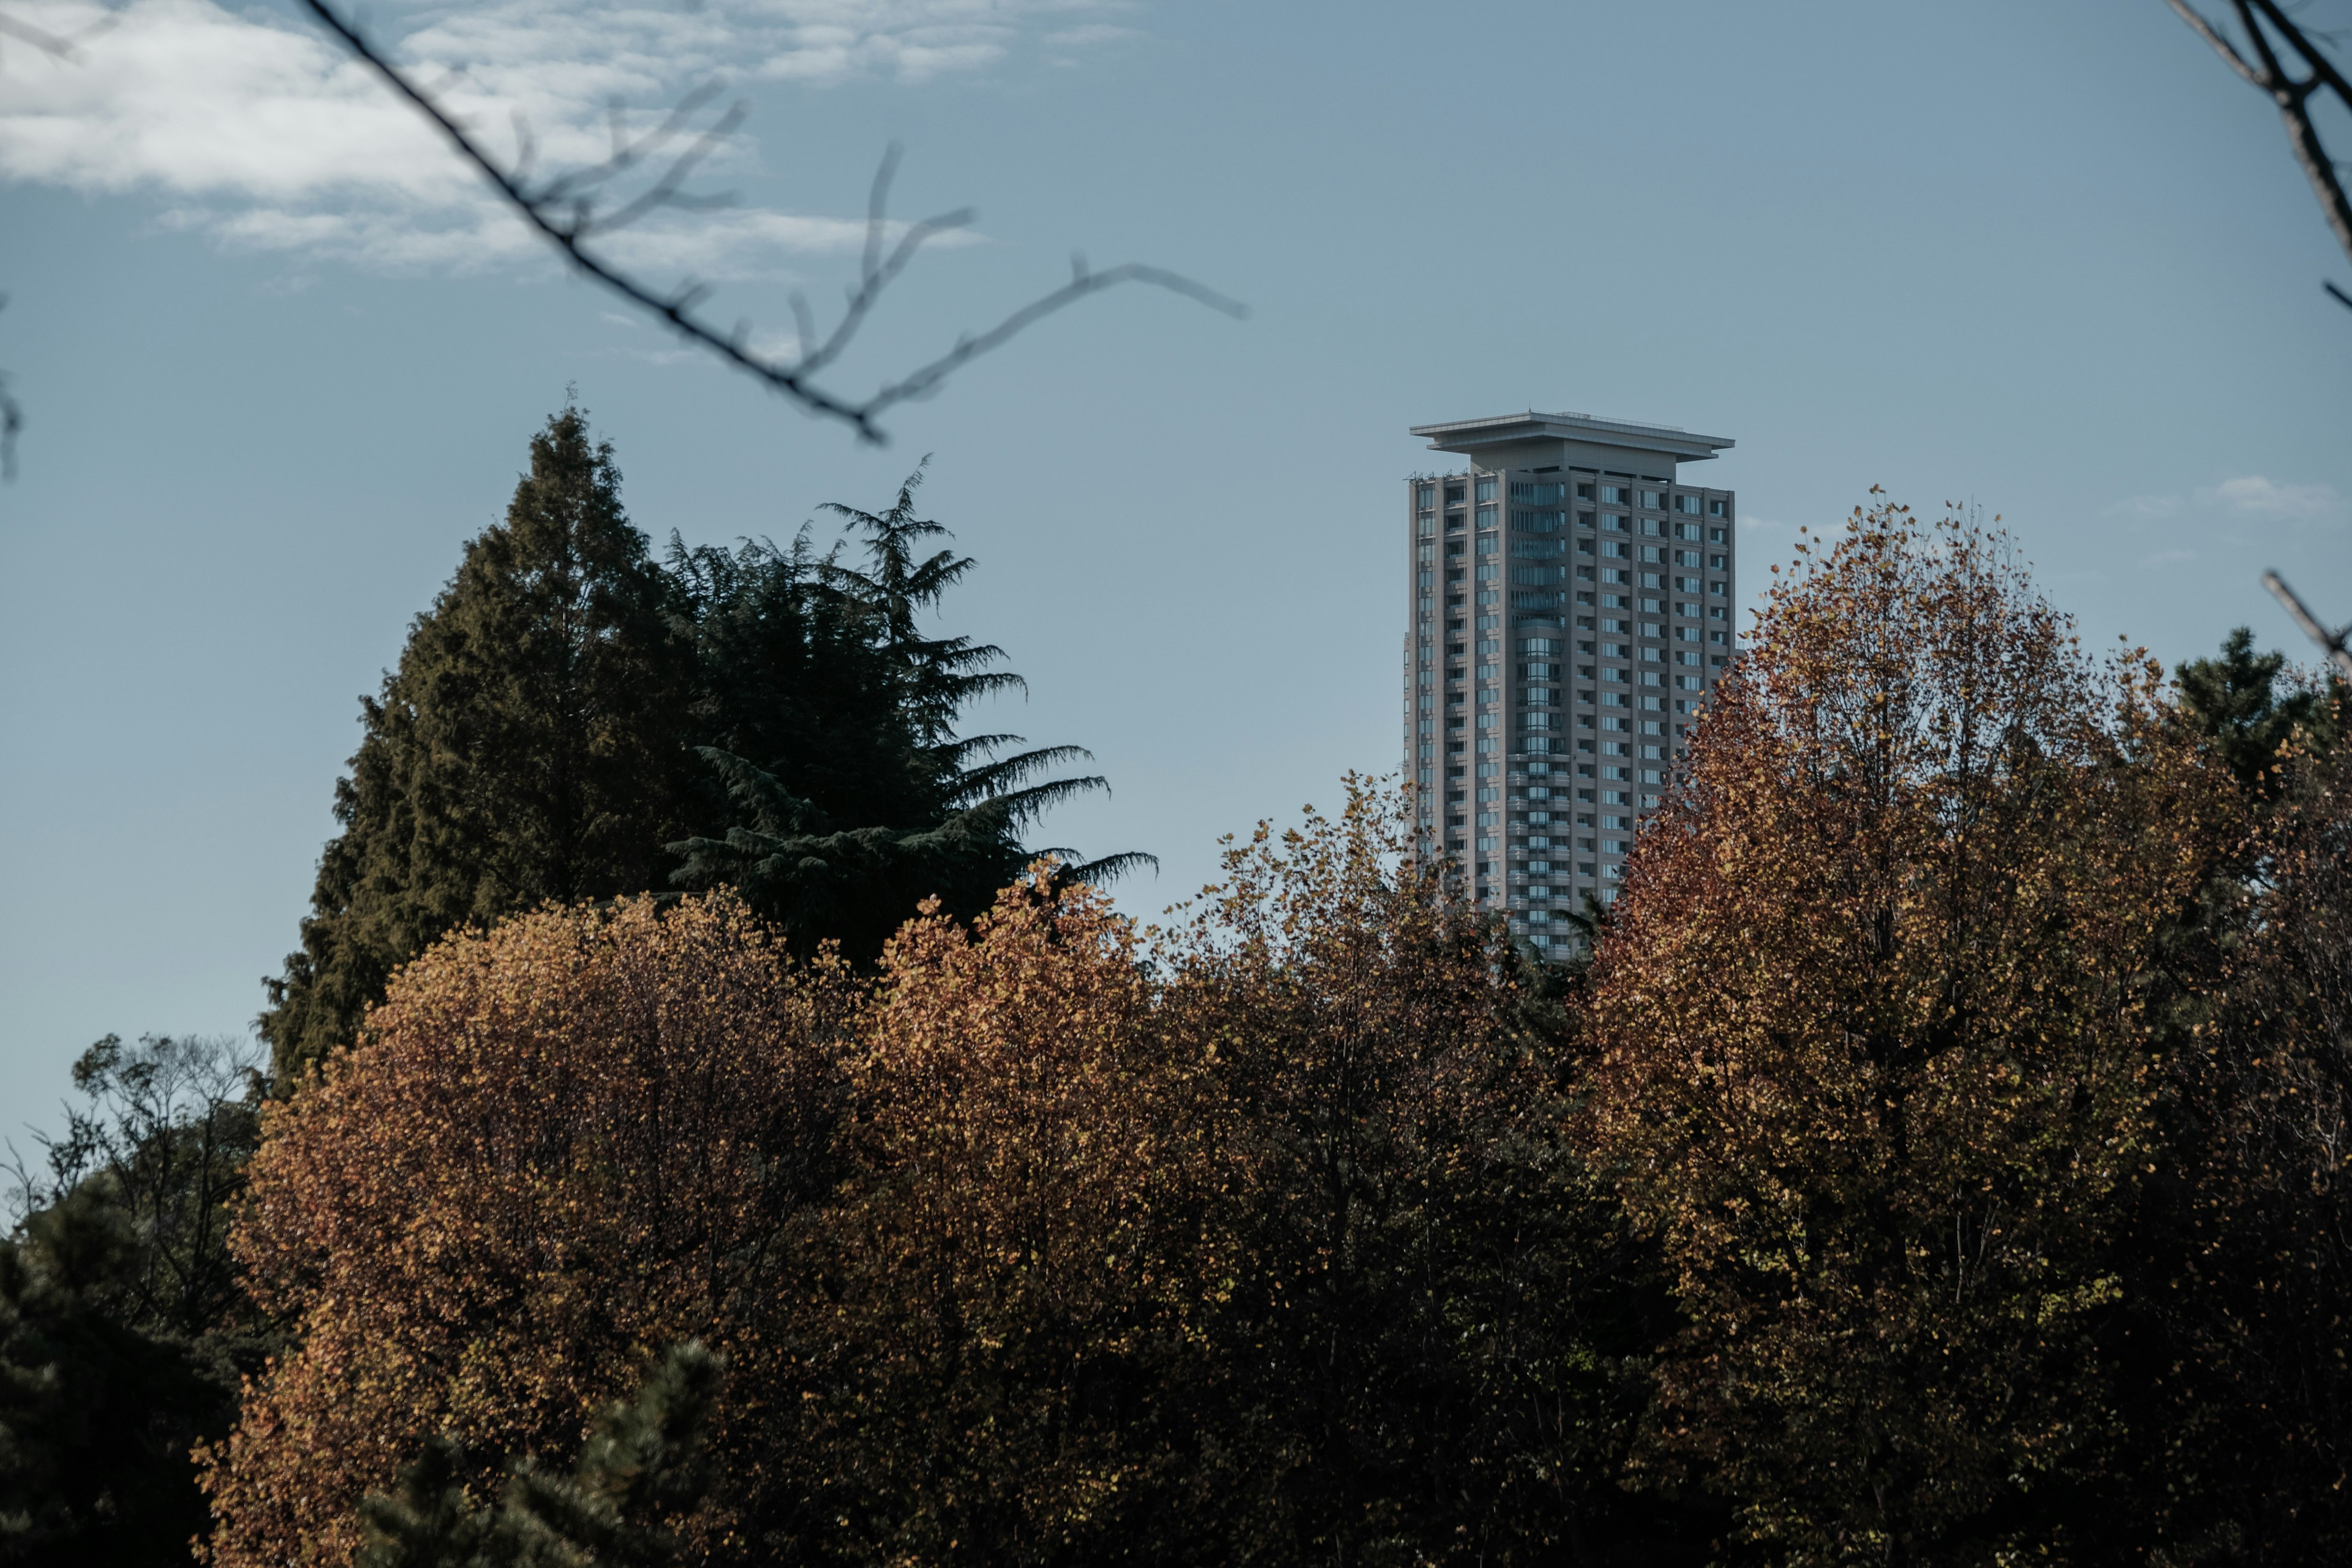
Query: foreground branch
{"x": 2332, "y": 643}
{"x": 12, "y": 420}
{"x": 564, "y": 212}
{"x": 2272, "y": 37}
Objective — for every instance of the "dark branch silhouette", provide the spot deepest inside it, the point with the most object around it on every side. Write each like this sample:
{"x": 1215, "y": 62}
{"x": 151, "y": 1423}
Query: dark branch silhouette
{"x": 2331, "y": 643}
{"x": 53, "y": 44}
{"x": 2275, "y": 46}
{"x": 564, "y": 209}
{"x": 12, "y": 420}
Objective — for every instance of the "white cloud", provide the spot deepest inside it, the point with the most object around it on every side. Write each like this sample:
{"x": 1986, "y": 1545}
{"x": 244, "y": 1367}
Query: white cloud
{"x": 2251, "y": 496}
{"x": 2164, "y": 558}
{"x": 257, "y": 131}
{"x": 2254, "y": 496}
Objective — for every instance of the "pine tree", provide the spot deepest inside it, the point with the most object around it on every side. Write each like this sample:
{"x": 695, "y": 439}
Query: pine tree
{"x": 531, "y": 745}
{"x": 644, "y": 1464}
{"x": 2239, "y": 701}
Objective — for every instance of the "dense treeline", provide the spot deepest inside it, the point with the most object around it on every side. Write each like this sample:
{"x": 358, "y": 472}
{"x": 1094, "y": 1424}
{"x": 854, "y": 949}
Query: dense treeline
{"x": 574, "y": 720}
{"x": 1940, "y": 1160}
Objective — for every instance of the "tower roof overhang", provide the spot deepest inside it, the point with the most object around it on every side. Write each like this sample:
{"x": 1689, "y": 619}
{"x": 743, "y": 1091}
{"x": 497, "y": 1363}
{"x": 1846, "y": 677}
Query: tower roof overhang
{"x": 1510, "y": 440}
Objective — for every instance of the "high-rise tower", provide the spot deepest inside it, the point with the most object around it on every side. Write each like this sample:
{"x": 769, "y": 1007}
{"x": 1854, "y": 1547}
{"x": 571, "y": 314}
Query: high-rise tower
{"x": 1568, "y": 604}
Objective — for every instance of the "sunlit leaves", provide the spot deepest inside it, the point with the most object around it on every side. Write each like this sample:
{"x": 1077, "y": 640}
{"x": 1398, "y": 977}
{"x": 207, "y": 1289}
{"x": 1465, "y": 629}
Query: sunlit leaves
{"x": 1877, "y": 1070}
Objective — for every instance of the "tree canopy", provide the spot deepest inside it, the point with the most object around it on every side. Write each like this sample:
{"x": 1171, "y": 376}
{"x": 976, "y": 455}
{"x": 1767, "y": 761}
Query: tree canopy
{"x": 574, "y": 719}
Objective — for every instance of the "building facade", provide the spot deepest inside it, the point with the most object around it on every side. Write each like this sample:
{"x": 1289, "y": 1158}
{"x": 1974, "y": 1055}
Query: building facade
{"x": 1568, "y": 604}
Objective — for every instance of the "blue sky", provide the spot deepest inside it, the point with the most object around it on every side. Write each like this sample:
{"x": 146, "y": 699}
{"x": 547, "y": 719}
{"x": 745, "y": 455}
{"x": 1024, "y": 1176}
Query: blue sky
{"x": 280, "y": 360}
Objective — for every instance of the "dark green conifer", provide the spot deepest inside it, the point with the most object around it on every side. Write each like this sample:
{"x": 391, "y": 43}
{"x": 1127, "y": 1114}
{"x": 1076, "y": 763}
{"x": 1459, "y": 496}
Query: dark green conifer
{"x": 2238, "y": 700}
{"x": 642, "y": 1468}
{"x": 840, "y": 833}
{"x": 123, "y": 1331}
{"x": 533, "y": 744}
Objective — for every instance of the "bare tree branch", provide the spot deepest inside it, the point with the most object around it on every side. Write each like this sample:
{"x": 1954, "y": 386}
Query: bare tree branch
{"x": 12, "y": 420}
{"x": 2330, "y": 643}
{"x": 2271, "y": 35}
{"x": 48, "y": 43}
{"x": 564, "y": 210}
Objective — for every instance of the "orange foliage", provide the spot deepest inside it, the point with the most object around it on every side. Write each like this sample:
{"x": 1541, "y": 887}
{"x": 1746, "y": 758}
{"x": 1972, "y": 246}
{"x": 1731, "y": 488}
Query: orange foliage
{"x": 1027, "y": 1255}
{"x": 1875, "y": 1069}
{"x": 566, "y": 1142}
{"x": 1264, "y": 1247}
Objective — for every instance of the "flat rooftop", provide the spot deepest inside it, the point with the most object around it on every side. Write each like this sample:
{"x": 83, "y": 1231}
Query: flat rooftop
{"x": 1472, "y": 436}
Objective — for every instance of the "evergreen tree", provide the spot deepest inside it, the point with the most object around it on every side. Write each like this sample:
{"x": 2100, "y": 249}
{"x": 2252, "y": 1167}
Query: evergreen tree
{"x": 644, "y": 1464}
{"x": 123, "y": 1333}
{"x": 847, "y": 846}
{"x": 531, "y": 745}
{"x": 2236, "y": 700}
{"x": 571, "y": 718}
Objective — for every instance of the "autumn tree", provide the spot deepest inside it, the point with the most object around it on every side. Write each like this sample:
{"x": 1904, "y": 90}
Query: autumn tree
{"x": 567, "y": 1141}
{"x": 1438, "y": 1332}
{"x": 1020, "y": 1275}
{"x": 2239, "y": 1271}
{"x": 1875, "y": 1059}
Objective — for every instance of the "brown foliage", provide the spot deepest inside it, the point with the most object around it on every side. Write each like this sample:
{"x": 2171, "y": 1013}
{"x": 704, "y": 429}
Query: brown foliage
{"x": 2246, "y": 1250}
{"x": 1022, "y": 1272}
{"x": 1438, "y": 1323}
{"x": 1875, "y": 1064}
{"x": 565, "y": 1143}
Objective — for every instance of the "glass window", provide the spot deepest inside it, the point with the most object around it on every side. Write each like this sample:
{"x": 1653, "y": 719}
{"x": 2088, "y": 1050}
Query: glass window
{"x": 1486, "y": 517}
{"x": 1614, "y": 522}
{"x": 1616, "y": 495}
{"x": 1486, "y": 489}
{"x": 1424, "y": 495}
{"x": 1456, "y": 495}
{"x": 1488, "y": 543}
{"x": 1716, "y": 508}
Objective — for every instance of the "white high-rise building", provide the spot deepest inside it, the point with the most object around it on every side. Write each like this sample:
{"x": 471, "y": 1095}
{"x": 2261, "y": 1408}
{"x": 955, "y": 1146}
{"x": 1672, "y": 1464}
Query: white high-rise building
{"x": 1568, "y": 604}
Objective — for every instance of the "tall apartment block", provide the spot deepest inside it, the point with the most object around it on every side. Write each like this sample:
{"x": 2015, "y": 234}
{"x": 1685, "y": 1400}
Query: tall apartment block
{"x": 1569, "y": 603}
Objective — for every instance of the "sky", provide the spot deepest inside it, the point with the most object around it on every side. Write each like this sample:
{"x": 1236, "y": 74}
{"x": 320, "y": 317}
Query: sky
{"x": 280, "y": 357}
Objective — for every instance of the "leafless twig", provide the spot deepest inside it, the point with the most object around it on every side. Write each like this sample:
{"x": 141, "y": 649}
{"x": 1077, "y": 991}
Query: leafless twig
{"x": 564, "y": 210}
{"x": 48, "y": 43}
{"x": 12, "y": 420}
{"x": 2330, "y": 643}
{"x": 2275, "y": 44}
